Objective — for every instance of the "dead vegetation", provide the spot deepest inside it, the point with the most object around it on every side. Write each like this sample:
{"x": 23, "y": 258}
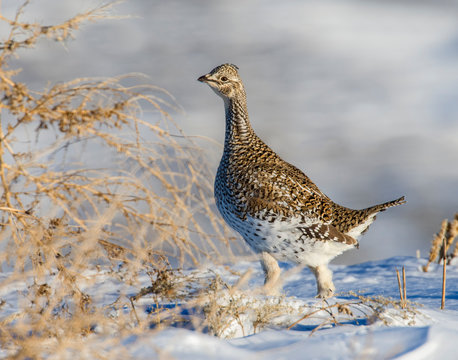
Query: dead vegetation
{"x": 402, "y": 286}
{"x": 442, "y": 243}
{"x": 93, "y": 173}
{"x": 229, "y": 312}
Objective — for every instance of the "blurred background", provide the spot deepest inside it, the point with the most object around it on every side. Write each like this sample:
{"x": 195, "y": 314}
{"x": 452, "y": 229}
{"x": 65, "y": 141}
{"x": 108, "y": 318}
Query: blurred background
{"x": 361, "y": 95}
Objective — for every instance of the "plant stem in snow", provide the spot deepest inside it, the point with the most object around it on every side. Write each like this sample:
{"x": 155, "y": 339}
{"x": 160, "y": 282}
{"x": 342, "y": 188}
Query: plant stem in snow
{"x": 444, "y": 275}
{"x": 404, "y": 283}
{"x": 401, "y": 295}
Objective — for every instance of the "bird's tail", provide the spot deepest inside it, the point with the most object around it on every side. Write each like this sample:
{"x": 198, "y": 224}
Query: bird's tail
{"x": 384, "y": 206}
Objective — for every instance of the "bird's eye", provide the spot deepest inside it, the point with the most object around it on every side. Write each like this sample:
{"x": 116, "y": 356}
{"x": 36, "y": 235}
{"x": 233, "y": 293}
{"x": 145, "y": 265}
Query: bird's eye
{"x": 223, "y": 78}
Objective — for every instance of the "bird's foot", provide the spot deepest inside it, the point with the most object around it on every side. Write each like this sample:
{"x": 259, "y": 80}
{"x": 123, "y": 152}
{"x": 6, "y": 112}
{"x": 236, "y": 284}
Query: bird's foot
{"x": 325, "y": 293}
{"x": 325, "y": 286}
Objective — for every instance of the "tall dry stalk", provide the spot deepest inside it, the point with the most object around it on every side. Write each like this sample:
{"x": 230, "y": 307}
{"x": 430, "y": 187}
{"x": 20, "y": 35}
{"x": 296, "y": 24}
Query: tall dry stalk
{"x": 444, "y": 273}
{"x": 103, "y": 171}
{"x": 441, "y": 244}
{"x": 436, "y": 244}
{"x": 402, "y": 287}
{"x": 443, "y": 241}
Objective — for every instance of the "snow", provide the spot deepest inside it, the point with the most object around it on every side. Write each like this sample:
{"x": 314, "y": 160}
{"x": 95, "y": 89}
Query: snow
{"x": 422, "y": 331}
{"x": 360, "y": 95}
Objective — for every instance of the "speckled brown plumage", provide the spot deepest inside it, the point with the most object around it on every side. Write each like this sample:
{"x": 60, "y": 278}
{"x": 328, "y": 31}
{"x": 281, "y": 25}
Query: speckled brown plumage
{"x": 277, "y": 209}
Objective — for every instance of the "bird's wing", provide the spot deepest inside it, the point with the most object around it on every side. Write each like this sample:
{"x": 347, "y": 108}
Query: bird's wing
{"x": 297, "y": 177}
{"x": 287, "y": 191}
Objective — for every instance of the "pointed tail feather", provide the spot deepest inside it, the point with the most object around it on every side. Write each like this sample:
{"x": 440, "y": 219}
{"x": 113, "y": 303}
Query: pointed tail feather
{"x": 384, "y": 206}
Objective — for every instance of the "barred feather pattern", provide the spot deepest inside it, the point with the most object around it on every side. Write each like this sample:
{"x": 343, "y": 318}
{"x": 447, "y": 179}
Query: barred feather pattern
{"x": 274, "y": 206}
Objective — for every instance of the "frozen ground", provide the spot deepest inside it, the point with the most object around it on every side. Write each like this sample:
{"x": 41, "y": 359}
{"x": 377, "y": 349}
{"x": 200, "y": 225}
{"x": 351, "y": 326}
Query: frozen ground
{"x": 420, "y": 332}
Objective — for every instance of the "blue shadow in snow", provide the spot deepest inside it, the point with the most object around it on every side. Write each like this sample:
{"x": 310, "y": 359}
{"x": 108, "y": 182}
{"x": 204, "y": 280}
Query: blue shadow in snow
{"x": 307, "y": 328}
{"x": 182, "y": 318}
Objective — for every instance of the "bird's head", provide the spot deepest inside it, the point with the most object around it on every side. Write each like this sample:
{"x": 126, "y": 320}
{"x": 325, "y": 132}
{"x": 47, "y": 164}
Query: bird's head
{"x": 224, "y": 81}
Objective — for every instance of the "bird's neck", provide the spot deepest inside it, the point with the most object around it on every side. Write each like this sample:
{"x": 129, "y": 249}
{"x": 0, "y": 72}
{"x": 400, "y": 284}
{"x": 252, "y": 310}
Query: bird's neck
{"x": 238, "y": 128}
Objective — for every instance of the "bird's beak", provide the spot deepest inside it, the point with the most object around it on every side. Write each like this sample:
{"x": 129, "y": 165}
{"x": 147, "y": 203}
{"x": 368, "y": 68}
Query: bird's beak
{"x": 203, "y": 78}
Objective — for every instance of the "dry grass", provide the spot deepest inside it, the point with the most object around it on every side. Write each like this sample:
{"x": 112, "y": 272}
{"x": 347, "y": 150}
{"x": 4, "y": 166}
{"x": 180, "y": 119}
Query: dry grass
{"x": 229, "y": 312}
{"x": 443, "y": 241}
{"x": 402, "y": 286}
{"x": 92, "y": 173}
{"x": 440, "y": 246}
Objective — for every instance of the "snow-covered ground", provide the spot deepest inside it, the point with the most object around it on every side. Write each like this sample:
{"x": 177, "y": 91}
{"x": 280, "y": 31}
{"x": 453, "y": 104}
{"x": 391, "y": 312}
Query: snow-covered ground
{"x": 361, "y": 95}
{"x": 374, "y": 328}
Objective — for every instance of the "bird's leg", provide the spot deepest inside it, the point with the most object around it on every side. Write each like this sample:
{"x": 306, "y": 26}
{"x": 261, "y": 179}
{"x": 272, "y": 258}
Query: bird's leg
{"x": 272, "y": 272}
{"x": 324, "y": 283}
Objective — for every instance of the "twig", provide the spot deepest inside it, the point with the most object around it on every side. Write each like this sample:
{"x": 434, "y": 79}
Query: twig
{"x": 402, "y": 287}
{"x": 318, "y": 310}
{"x": 404, "y": 284}
{"x": 134, "y": 311}
{"x": 401, "y": 295}
{"x": 318, "y": 327}
{"x": 444, "y": 274}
